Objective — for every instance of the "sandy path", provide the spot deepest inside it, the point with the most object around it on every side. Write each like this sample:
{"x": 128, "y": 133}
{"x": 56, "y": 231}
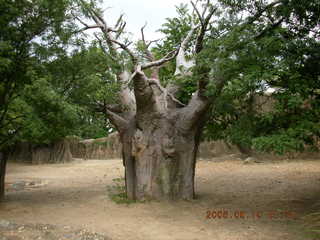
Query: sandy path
{"x": 76, "y": 195}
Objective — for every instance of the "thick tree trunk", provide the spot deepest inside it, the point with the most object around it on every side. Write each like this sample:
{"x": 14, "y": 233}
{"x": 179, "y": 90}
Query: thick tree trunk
{"x": 159, "y": 134}
{"x": 160, "y": 162}
{"x": 3, "y": 164}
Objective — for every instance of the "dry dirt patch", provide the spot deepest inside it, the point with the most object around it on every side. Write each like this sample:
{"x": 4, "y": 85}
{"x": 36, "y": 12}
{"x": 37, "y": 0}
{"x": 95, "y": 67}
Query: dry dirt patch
{"x": 75, "y": 195}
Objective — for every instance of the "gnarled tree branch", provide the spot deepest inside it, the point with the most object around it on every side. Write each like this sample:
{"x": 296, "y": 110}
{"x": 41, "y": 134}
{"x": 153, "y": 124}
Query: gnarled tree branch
{"x": 143, "y": 92}
{"x": 119, "y": 122}
{"x": 127, "y": 49}
{"x": 171, "y": 55}
{"x": 204, "y": 25}
{"x": 182, "y": 64}
{"x": 191, "y": 114}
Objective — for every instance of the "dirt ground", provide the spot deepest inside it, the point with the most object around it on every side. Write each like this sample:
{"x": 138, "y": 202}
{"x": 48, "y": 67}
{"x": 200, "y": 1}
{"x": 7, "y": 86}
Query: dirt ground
{"x": 235, "y": 201}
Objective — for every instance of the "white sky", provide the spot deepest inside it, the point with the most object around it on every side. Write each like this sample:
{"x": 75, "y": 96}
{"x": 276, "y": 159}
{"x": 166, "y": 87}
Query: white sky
{"x": 138, "y": 12}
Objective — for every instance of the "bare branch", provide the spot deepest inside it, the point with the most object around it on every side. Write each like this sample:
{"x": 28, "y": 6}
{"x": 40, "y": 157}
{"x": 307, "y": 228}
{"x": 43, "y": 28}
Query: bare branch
{"x": 153, "y": 41}
{"x": 165, "y": 92}
{"x": 147, "y": 44}
{"x": 204, "y": 25}
{"x": 198, "y": 13}
{"x": 79, "y": 19}
{"x": 100, "y": 44}
{"x": 103, "y": 106}
{"x": 142, "y": 33}
{"x": 89, "y": 27}
{"x": 205, "y": 8}
{"x": 193, "y": 112}
{"x": 171, "y": 55}
{"x": 120, "y": 29}
{"x": 106, "y": 31}
{"x": 100, "y": 21}
{"x": 149, "y": 55}
{"x": 119, "y": 122}
{"x": 182, "y": 64}
{"x": 86, "y": 26}
{"x": 116, "y": 108}
{"x": 268, "y": 28}
{"x": 125, "y": 48}
{"x": 119, "y": 21}
{"x": 126, "y": 95}
{"x": 261, "y": 11}
{"x": 187, "y": 39}
{"x": 98, "y": 17}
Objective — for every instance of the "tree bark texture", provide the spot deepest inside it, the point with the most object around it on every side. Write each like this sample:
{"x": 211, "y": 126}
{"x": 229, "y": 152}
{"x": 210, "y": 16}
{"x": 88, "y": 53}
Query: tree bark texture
{"x": 3, "y": 164}
{"x": 160, "y": 161}
{"x": 160, "y": 143}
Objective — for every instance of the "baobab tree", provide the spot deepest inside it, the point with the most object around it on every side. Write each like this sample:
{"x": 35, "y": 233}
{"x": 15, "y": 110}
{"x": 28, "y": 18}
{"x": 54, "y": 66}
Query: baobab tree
{"x": 160, "y": 135}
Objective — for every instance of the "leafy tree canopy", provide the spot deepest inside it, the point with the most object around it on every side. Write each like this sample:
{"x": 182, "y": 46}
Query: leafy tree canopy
{"x": 258, "y": 45}
{"x": 31, "y": 31}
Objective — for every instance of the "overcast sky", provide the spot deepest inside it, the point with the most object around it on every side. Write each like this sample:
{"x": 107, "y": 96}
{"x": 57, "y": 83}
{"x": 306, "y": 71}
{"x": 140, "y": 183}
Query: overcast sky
{"x": 138, "y": 12}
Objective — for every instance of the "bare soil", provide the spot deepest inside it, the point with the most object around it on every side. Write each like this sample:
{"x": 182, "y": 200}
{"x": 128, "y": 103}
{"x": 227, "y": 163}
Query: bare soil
{"x": 235, "y": 201}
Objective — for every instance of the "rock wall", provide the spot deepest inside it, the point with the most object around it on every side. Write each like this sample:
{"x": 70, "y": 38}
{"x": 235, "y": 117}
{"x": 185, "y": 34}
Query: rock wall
{"x": 110, "y": 147}
{"x": 211, "y": 149}
{"x": 58, "y": 152}
{"x": 101, "y": 148}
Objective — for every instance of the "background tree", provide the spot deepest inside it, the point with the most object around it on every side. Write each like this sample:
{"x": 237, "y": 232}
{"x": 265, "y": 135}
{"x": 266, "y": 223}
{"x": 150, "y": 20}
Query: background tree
{"x": 283, "y": 54}
{"x": 272, "y": 43}
{"x": 58, "y": 104}
{"x": 62, "y": 100}
{"x": 47, "y": 90}
{"x": 26, "y": 29}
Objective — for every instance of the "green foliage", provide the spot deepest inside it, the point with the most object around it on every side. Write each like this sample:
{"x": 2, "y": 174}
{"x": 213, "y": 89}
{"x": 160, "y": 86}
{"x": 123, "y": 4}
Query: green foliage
{"x": 27, "y": 28}
{"x": 175, "y": 29}
{"x": 278, "y": 58}
{"x": 63, "y": 96}
{"x": 48, "y": 92}
{"x": 50, "y": 116}
{"x": 251, "y": 56}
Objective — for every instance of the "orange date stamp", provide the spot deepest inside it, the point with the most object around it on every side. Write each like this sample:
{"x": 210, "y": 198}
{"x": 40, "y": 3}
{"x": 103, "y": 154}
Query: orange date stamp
{"x": 238, "y": 214}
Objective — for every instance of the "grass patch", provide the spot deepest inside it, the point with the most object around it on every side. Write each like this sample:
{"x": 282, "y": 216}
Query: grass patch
{"x": 312, "y": 224}
{"x": 117, "y": 192}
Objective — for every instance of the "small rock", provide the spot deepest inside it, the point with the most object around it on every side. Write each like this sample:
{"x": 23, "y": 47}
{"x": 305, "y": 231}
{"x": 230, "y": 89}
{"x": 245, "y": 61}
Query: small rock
{"x": 20, "y": 229}
{"x": 249, "y": 160}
